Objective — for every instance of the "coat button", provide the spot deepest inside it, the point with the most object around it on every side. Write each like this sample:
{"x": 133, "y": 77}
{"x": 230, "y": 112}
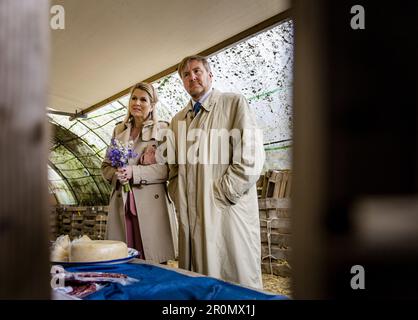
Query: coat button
{"x": 156, "y": 196}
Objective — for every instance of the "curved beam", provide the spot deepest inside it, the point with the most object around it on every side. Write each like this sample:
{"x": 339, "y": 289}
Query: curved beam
{"x": 58, "y": 172}
{"x": 61, "y": 142}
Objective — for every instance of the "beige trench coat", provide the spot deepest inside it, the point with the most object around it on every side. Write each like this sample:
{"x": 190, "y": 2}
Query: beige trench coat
{"x": 156, "y": 214}
{"x": 217, "y": 207}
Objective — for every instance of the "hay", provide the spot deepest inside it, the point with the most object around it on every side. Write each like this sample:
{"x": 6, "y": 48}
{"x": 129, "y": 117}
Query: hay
{"x": 277, "y": 285}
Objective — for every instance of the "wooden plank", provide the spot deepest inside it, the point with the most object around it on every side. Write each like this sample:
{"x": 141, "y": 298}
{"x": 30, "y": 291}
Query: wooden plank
{"x": 101, "y": 217}
{"x": 90, "y": 222}
{"x": 277, "y": 213}
{"x": 259, "y": 185}
{"x": 276, "y": 238}
{"x": 76, "y": 225}
{"x": 260, "y": 181}
{"x": 282, "y": 225}
{"x": 269, "y": 214}
{"x": 283, "y": 184}
{"x": 265, "y": 183}
{"x": 273, "y": 203}
{"x": 279, "y": 268}
{"x": 90, "y": 217}
{"x": 289, "y": 186}
{"x": 275, "y": 183}
{"x": 277, "y": 252}
{"x": 77, "y": 217}
{"x": 72, "y": 209}
{"x": 100, "y": 228}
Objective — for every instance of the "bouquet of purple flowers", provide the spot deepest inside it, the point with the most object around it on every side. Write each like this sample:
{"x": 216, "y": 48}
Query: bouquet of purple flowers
{"x": 119, "y": 155}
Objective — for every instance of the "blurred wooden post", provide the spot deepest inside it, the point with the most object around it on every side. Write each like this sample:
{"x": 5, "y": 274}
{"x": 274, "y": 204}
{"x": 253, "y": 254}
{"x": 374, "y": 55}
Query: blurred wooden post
{"x": 308, "y": 201}
{"x": 24, "y": 58}
{"x": 355, "y": 152}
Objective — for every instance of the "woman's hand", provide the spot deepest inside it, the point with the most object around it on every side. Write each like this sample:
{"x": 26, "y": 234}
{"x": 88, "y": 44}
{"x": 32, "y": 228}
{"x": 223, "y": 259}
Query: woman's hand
{"x": 124, "y": 174}
{"x": 148, "y": 157}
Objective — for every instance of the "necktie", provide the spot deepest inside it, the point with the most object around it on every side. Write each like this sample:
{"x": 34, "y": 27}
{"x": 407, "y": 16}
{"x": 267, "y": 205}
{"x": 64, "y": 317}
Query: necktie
{"x": 196, "y": 107}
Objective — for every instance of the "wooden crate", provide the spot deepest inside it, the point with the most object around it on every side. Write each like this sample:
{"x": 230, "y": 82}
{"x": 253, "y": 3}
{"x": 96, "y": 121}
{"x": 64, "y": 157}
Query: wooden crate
{"x": 100, "y": 231}
{"x": 101, "y": 218}
{"x": 95, "y": 222}
{"x": 89, "y": 222}
{"x": 276, "y": 260}
{"x": 77, "y": 221}
{"x": 259, "y": 184}
{"x": 65, "y": 229}
{"x": 275, "y": 229}
{"x": 277, "y": 253}
{"x": 53, "y": 223}
{"x": 77, "y": 225}
{"x": 275, "y": 214}
{"x": 100, "y": 228}
{"x": 101, "y": 223}
{"x": 276, "y": 184}
{"x": 280, "y": 268}
{"x": 276, "y": 238}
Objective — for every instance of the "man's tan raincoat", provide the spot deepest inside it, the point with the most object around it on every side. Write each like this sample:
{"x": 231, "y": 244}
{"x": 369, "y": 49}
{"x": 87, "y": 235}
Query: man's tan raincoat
{"x": 218, "y": 158}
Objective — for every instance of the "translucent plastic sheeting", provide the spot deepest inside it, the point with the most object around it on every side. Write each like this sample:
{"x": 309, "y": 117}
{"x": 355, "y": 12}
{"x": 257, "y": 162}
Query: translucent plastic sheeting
{"x": 260, "y": 68}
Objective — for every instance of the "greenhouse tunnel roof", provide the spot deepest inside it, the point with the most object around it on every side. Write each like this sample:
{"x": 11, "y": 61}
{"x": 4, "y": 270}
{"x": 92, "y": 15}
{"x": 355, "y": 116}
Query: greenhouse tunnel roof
{"x": 260, "y": 68}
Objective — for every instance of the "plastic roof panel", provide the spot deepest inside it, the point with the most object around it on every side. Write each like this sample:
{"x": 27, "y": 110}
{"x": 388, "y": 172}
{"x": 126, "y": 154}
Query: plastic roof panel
{"x": 260, "y": 68}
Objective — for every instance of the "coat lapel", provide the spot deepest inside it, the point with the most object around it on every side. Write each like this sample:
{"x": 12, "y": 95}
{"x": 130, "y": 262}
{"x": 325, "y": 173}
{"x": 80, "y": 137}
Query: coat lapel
{"x": 123, "y": 136}
{"x": 149, "y": 130}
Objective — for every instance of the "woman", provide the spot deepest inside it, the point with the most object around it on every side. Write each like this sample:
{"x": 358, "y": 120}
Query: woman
{"x": 143, "y": 217}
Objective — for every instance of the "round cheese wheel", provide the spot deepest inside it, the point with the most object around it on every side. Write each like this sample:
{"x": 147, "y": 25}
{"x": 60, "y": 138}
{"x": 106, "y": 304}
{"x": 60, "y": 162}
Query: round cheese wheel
{"x": 97, "y": 250}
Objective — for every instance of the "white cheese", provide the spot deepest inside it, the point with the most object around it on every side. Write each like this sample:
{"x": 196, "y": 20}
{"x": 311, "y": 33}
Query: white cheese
{"x": 97, "y": 250}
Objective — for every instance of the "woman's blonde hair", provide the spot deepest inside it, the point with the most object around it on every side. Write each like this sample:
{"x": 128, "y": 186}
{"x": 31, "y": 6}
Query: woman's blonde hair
{"x": 152, "y": 94}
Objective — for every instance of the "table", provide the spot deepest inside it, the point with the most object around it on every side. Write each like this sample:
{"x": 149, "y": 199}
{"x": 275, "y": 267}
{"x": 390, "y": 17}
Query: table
{"x": 159, "y": 282}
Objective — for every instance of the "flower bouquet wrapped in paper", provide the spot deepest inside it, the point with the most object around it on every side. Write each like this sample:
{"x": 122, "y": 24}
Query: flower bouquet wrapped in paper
{"x": 119, "y": 155}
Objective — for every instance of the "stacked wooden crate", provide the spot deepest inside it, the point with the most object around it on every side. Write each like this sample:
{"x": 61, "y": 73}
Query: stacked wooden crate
{"x": 77, "y": 221}
{"x": 77, "y": 218}
{"x": 95, "y": 222}
{"x": 89, "y": 222}
{"x": 101, "y": 221}
{"x": 72, "y": 221}
{"x": 274, "y": 206}
{"x": 63, "y": 220}
{"x": 53, "y": 223}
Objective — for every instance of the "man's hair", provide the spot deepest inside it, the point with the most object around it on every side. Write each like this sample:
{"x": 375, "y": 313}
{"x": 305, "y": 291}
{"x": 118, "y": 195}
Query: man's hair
{"x": 186, "y": 60}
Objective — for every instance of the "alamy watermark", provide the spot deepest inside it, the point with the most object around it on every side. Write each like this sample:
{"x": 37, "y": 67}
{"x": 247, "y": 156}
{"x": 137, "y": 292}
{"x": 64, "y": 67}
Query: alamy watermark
{"x": 358, "y": 20}
{"x": 57, "y": 20}
{"x": 214, "y": 146}
{"x": 358, "y": 280}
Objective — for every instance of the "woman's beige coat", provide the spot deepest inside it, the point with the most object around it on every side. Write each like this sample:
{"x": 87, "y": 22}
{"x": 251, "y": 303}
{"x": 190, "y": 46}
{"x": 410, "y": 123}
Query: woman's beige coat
{"x": 219, "y": 226}
{"x": 156, "y": 214}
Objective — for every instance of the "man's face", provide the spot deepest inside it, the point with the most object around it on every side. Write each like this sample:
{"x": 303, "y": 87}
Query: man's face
{"x": 196, "y": 79}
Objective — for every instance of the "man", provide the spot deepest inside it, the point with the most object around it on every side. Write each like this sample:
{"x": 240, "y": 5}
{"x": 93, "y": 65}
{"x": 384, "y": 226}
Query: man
{"x": 216, "y": 200}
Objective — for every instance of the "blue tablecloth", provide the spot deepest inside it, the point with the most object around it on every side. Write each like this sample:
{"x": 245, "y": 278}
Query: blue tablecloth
{"x": 157, "y": 283}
